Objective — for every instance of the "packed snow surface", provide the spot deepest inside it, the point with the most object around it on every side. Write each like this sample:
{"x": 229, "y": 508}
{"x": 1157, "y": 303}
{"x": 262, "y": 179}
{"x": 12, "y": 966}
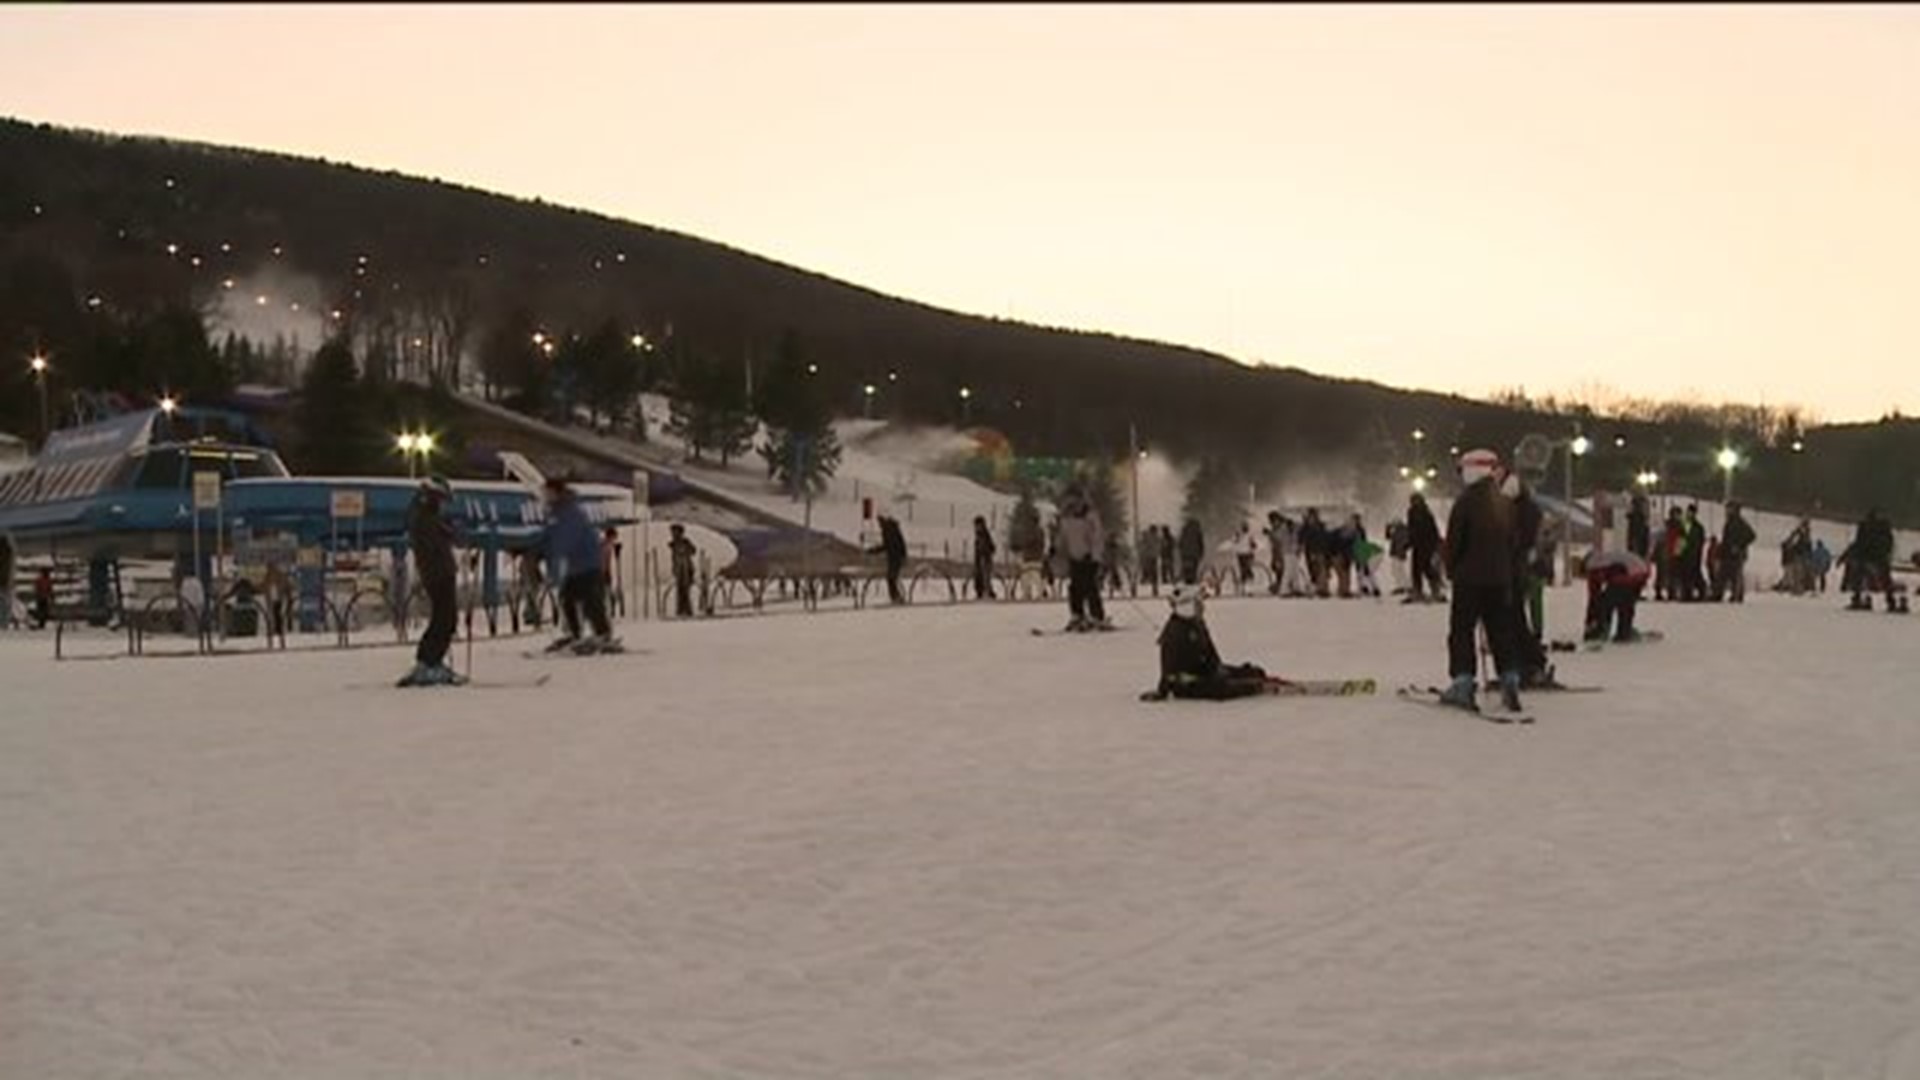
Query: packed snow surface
{"x": 920, "y": 842}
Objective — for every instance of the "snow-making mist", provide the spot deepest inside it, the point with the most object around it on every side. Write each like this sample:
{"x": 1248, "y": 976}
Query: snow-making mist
{"x": 269, "y": 302}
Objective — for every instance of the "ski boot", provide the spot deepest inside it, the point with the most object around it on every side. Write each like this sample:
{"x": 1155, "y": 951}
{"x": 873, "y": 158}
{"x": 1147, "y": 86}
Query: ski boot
{"x": 1510, "y": 692}
{"x": 597, "y": 644}
{"x": 562, "y": 644}
{"x": 437, "y": 675}
{"x": 1078, "y": 625}
{"x": 1102, "y": 624}
{"x": 1459, "y": 694}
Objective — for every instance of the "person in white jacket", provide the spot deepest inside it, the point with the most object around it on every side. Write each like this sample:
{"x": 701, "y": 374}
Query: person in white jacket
{"x": 1083, "y": 541}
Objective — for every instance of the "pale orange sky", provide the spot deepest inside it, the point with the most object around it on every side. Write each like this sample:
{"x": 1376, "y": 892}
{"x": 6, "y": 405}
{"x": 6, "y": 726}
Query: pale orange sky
{"x": 1722, "y": 200}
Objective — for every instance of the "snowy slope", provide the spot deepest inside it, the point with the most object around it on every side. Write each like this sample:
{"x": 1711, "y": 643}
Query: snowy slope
{"x": 919, "y": 843}
{"x": 898, "y": 470}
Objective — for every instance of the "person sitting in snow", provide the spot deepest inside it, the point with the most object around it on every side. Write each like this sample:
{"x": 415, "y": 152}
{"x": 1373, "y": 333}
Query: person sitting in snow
{"x": 1190, "y": 666}
{"x": 1615, "y": 580}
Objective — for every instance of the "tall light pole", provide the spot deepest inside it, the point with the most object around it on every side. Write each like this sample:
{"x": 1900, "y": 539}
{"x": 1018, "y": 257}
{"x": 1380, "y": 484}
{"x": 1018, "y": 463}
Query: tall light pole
{"x": 39, "y": 365}
{"x": 966, "y": 405}
{"x": 868, "y": 391}
{"x": 1134, "y": 454}
{"x": 1728, "y": 459}
{"x": 1576, "y": 447}
{"x": 405, "y": 442}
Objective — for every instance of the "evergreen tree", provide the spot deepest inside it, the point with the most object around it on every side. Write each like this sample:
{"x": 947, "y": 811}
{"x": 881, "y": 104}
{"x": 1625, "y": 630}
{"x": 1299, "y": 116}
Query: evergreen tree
{"x": 1024, "y": 534}
{"x": 801, "y": 450}
{"x": 709, "y": 409}
{"x": 335, "y": 414}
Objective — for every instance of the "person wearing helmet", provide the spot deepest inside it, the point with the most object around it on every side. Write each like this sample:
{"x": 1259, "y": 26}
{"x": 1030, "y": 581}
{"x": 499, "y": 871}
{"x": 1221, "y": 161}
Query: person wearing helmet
{"x": 431, "y": 536}
{"x": 1190, "y": 666}
{"x": 1480, "y": 551}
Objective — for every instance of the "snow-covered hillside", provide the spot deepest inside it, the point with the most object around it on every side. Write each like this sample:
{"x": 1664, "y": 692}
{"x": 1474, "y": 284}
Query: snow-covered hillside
{"x": 900, "y": 471}
{"x": 905, "y": 843}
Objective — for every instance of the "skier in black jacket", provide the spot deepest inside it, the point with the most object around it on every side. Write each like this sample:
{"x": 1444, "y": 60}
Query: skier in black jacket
{"x": 983, "y": 551}
{"x": 1736, "y": 536}
{"x": 1480, "y": 554}
{"x": 1423, "y": 537}
{"x": 893, "y": 544}
{"x": 431, "y": 536}
{"x": 1870, "y": 560}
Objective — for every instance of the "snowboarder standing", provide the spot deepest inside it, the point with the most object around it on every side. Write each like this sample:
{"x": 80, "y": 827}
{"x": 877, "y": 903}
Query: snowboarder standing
{"x": 571, "y": 543}
{"x": 431, "y": 536}
{"x": 1190, "y": 666}
{"x": 1480, "y": 552}
{"x": 1082, "y": 539}
{"x": 983, "y": 552}
{"x": 1315, "y": 541}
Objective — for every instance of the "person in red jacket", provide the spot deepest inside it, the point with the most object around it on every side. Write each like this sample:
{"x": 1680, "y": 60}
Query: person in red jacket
{"x": 1615, "y": 579}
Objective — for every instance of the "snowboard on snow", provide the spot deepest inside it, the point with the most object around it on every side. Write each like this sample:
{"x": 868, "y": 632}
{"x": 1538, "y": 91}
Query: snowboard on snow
{"x": 1430, "y": 697}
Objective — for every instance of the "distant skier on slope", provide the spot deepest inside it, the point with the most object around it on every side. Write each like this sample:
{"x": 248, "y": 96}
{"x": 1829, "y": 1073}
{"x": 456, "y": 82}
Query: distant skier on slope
{"x": 431, "y": 536}
{"x": 1423, "y": 538}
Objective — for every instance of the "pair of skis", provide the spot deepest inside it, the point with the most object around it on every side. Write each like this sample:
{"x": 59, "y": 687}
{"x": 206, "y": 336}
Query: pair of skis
{"x": 1430, "y": 696}
{"x": 1278, "y": 687}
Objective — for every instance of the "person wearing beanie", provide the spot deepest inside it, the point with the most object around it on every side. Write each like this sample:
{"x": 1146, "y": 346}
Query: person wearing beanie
{"x": 431, "y": 535}
{"x": 1480, "y": 552}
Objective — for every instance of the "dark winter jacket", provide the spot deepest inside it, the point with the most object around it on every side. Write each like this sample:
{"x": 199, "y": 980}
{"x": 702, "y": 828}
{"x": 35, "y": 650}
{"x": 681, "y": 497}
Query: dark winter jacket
{"x": 1735, "y": 538}
{"x": 1639, "y": 536}
{"x": 1527, "y": 519}
{"x": 1696, "y": 541}
{"x": 1873, "y": 542}
{"x": 1423, "y": 532}
{"x": 1186, "y": 652}
{"x": 983, "y": 545}
{"x": 430, "y": 535}
{"x": 1480, "y": 545}
{"x": 682, "y": 551}
{"x": 1315, "y": 540}
{"x": 893, "y": 542}
{"x": 1193, "y": 545}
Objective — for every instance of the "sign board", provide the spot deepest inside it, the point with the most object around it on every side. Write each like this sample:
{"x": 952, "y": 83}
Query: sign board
{"x": 311, "y": 558}
{"x": 206, "y": 491}
{"x": 349, "y": 504}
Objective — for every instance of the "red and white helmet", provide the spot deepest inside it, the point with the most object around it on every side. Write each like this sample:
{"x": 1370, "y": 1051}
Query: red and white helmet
{"x": 1478, "y": 465}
